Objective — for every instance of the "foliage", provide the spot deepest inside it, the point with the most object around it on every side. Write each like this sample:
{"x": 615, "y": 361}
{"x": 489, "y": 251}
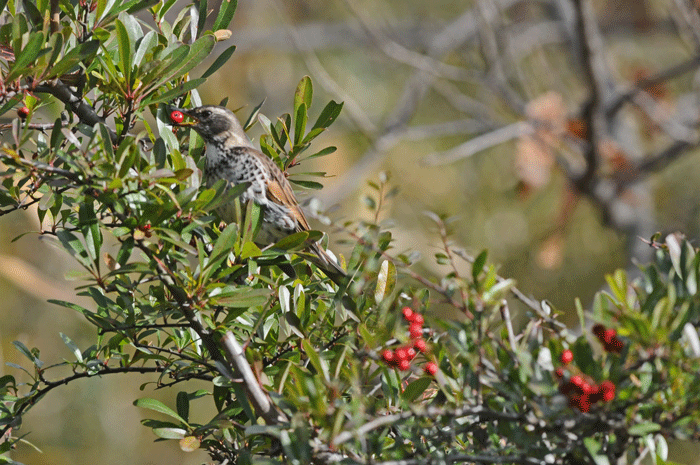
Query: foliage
{"x": 294, "y": 365}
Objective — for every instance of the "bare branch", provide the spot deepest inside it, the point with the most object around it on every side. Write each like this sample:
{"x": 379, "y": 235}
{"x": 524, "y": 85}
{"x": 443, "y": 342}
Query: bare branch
{"x": 260, "y": 398}
{"x": 479, "y": 143}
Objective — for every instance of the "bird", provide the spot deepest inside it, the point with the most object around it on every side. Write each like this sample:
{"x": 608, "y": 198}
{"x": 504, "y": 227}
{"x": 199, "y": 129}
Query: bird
{"x": 231, "y": 156}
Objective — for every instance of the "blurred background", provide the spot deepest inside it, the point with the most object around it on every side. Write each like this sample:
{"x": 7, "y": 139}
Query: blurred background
{"x": 556, "y": 134}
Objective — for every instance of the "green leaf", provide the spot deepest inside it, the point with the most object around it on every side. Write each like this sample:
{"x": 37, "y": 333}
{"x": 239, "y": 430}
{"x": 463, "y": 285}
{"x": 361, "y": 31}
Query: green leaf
{"x": 11, "y": 103}
{"x": 318, "y": 363}
{"x": 237, "y": 297}
{"x": 146, "y": 44}
{"x": 300, "y": 118}
{"x": 478, "y": 266}
{"x": 386, "y": 280}
{"x": 303, "y": 94}
{"x": 323, "y": 152}
{"x": 169, "y": 433}
{"x": 24, "y": 350}
{"x": 306, "y": 183}
{"x": 253, "y": 116}
{"x": 593, "y": 446}
{"x": 70, "y": 305}
{"x": 292, "y": 241}
{"x": 302, "y": 102}
{"x": 26, "y": 57}
{"x": 125, "y": 51}
{"x": 183, "y": 405}
{"x": 642, "y": 429}
{"x": 226, "y": 10}
{"x": 225, "y": 242}
{"x": 84, "y": 52}
{"x": 202, "y": 13}
{"x": 170, "y": 95}
{"x": 158, "y": 406}
{"x": 328, "y": 115}
{"x": 249, "y": 250}
{"x": 220, "y": 61}
{"x": 72, "y": 346}
{"x": 252, "y": 221}
{"x": 181, "y": 61}
{"x": 74, "y": 246}
{"x": 416, "y": 388}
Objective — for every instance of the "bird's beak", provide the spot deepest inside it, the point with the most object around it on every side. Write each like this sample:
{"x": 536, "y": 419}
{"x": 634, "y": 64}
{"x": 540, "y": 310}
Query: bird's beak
{"x": 188, "y": 114}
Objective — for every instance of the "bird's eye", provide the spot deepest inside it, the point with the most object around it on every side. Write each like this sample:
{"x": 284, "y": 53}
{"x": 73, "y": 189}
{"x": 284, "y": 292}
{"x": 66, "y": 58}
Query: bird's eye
{"x": 205, "y": 114}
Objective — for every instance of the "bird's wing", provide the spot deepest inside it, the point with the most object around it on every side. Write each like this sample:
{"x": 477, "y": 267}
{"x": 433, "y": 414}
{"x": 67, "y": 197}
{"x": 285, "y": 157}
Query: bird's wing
{"x": 280, "y": 191}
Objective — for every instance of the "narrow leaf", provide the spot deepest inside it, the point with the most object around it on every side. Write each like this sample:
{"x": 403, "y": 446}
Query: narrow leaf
{"x": 220, "y": 61}
{"x": 318, "y": 363}
{"x": 292, "y": 241}
{"x": 125, "y": 51}
{"x": 300, "y": 119}
{"x": 328, "y": 115}
{"x": 82, "y": 53}
{"x": 26, "y": 56}
{"x": 226, "y": 10}
{"x": 158, "y": 406}
{"x": 304, "y": 93}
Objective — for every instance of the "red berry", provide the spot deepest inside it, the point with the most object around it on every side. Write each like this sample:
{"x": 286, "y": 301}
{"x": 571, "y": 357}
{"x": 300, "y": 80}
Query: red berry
{"x": 407, "y": 313}
{"x": 23, "y": 112}
{"x": 420, "y": 345}
{"x": 607, "y": 387}
{"x": 598, "y": 330}
{"x": 567, "y": 388}
{"x": 608, "y": 335}
{"x": 401, "y": 354}
{"x": 577, "y": 380}
{"x": 586, "y": 388}
{"x": 431, "y": 368}
{"x": 177, "y": 116}
{"x": 404, "y": 365}
{"x": 559, "y": 373}
{"x": 411, "y": 353}
{"x": 415, "y": 330}
{"x": 584, "y": 403}
{"x": 614, "y": 345}
{"x": 567, "y": 357}
{"x": 417, "y": 319}
{"x": 388, "y": 356}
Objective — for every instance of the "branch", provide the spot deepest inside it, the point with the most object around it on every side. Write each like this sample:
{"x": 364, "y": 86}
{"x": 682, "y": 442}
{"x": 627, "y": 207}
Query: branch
{"x": 452, "y": 36}
{"x": 50, "y": 385}
{"x": 479, "y": 143}
{"x": 428, "y": 412}
{"x": 235, "y": 358}
{"x": 82, "y": 110}
{"x": 591, "y": 58}
{"x": 235, "y": 355}
{"x": 624, "y": 96}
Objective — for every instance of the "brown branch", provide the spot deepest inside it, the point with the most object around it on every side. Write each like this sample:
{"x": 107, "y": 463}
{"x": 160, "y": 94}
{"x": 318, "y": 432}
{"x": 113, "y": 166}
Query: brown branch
{"x": 82, "y": 110}
{"x": 50, "y": 385}
{"x": 685, "y": 67}
{"x": 590, "y": 60}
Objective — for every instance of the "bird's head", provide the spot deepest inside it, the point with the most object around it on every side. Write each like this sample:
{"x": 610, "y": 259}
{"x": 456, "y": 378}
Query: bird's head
{"x": 215, "y": 123}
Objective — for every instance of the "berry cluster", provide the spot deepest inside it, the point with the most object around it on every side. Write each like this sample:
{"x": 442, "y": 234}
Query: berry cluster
{"x": 608, "y": 337}
{"x": 581, "y": 390}
{"x": 401, "y": 357}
